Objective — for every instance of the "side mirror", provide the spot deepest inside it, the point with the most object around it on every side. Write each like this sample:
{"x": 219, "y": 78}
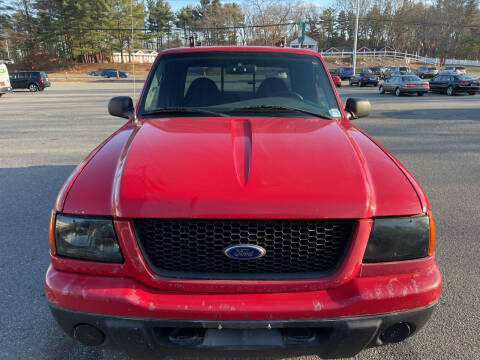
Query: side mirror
{"x": 357, "y": 108}
{"x": 121, "y": 106}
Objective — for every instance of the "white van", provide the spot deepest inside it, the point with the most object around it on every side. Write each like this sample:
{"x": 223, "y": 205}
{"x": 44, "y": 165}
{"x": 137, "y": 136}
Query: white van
{"x": 4, "y": 80}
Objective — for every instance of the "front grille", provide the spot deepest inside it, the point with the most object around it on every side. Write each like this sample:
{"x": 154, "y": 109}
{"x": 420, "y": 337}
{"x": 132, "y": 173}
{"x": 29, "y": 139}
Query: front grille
{"x": 194, "y": 248}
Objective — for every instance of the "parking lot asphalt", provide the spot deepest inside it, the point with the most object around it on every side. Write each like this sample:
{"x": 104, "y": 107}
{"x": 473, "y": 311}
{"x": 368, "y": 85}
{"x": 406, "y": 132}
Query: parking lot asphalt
{"x": 44, "y": 135}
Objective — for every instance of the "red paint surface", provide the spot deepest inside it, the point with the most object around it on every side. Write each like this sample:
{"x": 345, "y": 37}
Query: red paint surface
{"x": 241, "y": 130}
{"x": 227, "y": 167}
{"x": 127, "y": 297}
{"x": 337, "y": 80}
{"x": 241, "y": 168}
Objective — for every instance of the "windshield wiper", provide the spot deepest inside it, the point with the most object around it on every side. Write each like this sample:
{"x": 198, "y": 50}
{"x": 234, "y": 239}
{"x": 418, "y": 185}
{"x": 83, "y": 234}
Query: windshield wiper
{"x": 182, "y": 110}
{"x": 280, "y": 108}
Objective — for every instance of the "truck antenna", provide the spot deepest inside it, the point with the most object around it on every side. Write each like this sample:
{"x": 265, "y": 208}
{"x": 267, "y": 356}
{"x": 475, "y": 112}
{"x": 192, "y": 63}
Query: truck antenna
{"x": 133, "y": 65}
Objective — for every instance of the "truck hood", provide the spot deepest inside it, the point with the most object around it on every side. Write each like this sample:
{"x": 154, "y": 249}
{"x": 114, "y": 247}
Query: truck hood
{"x": 253, "y": 167}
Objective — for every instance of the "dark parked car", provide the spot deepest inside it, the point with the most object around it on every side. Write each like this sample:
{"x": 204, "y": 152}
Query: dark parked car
{"x": 363, "y": 79}
{"x": 110, "y": 73}
{"x": 98, "y": 72}
{"x": 452, "y": 84}
{"x": 426, "y": 72}
{"x": 345, "y": 72}
{"x": 375, "y": 70}
{"x": 31, "y": 80}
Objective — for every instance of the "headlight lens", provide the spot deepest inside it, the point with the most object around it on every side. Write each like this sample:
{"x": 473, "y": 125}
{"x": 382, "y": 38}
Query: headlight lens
{"x": 400, "y": 238}
{"x": 87, "y": 238}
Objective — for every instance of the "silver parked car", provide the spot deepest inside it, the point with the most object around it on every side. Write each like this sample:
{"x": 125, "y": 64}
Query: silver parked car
{"x": 452, "y": 70}
{"x": 426, "y": 72}
{"x": 401, "y": 84}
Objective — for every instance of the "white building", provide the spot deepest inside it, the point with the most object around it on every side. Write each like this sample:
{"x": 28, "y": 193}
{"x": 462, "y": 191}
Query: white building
{"x": 139, "y": 56}
{"x": 308, "y": 43}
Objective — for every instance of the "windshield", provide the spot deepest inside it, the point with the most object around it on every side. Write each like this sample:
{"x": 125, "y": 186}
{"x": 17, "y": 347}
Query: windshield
{"x": 235, "y": 82}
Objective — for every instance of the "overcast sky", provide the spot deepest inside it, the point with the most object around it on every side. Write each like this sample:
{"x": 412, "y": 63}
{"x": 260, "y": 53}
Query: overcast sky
{"x": 177, "y": 4}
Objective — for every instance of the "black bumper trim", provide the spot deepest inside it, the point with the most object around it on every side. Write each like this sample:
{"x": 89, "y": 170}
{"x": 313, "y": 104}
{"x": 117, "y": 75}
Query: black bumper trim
{"x": 331, "y": 338}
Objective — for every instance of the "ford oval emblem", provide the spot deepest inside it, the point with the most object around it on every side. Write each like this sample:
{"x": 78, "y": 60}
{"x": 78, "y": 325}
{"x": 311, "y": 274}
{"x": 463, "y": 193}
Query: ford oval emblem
{"x": 245, "y": 252}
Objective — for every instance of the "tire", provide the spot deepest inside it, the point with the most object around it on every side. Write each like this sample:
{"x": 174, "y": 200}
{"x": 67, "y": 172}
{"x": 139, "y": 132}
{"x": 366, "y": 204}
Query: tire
{"x": 33, "y": 87}
{"x": 351, "y": 83}
{"x": 420, "y": 93}
{"x": 472, "y": 93}
{"x": 398, "y": 92}
{"x": 381, "y": 90}
{"x": 450, "y": 91}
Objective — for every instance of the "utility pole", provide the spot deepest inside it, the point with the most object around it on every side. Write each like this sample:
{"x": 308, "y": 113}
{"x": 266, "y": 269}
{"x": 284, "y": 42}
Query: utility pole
{"x": 355, "y": 38}
{"x": 8, "y": 52}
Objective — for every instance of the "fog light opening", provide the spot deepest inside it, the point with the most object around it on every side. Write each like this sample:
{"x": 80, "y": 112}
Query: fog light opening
{"x": 186, "y": 336}
{"x": 396, "y": 333}
{"x": 88, "y": 335}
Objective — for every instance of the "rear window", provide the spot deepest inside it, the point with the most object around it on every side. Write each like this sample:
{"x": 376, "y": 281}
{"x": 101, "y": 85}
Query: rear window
{"x": 348, "y": 69}
{"x": 432, "y": 68}
{"x": 228, "y": 81}
{"x": 403, "y": 68}
{"x": 411, "y": 78}
{"x": 460, "y": 68}
{"x": 465, "y": 77}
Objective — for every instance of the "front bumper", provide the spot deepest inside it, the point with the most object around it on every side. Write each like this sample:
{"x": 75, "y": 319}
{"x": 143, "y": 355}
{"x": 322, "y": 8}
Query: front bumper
{"x": 342, "y": 320}
{"x": 329, "y": 338}
{"x": 4, "y": 90}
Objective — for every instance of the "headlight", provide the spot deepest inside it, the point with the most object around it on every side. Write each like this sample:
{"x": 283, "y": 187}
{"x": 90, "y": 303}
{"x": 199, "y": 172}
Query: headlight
{"x": 400, "y": 238}
{"x": 86, "y": 238}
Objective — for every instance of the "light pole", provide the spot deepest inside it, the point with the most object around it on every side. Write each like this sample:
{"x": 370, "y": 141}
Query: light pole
{"x": 355, "y": 38}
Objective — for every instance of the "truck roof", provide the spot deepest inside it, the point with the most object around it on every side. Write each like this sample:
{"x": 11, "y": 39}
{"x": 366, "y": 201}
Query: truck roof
{"x": 240, "y": 48}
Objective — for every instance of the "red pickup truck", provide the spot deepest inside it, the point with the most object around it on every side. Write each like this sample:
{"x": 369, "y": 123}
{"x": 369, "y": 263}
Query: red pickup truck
{"x": 240, "y": 211}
